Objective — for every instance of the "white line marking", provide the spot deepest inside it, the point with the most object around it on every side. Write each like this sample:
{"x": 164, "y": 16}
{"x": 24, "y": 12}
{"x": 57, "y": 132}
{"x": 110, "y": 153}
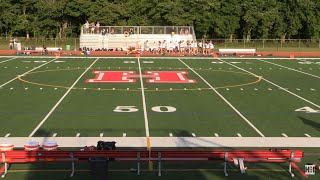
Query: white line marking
{"x": 170, "y": 134}
{"x": 225, "y": 100}
{"x": 61, "y": 99}
{"x": 124, "y": 134}
{"x": 239, "y": 135}
{"x": 8, "y": 60}
{"x": 307, "y": 135}
{"x": 318, "y": 106}
{"x": 255, "y": 89}
{"x": 312, "y": 89}
{"x": 54, "y": 135}
{"x": 290, "y": 68}
{"x": 7, "y": 135}
{"x": 101, "y": 135}
{"x": 25, "y": 73}
{"x": 78, "y": 135}
{"x": 146, "y": 122}
{"x": 193, "y": 134}
{"x": 269, "y": 89}
{"x": 100, "y": 76}
{"x": 181, "y": 76}
{"x": 284, "y": 135}
{"x": 216, "y": 135}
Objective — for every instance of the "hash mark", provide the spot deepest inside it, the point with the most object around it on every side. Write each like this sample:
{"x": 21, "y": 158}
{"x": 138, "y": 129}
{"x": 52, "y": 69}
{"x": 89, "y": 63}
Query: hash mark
{"x": 284, "y": 135}
{"x": 239, "y": 135}
{"x": 216, "y": 135}
{"x": 307, "y": 135}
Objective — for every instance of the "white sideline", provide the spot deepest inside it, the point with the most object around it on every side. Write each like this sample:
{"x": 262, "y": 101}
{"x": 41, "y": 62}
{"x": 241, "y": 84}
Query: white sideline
{"x": 224, "y": 99}
{"x": 318, "y": 106}
{"x": 26, "y": 72}
{"x": 290, "y": 68}
{"x": 8, "y": 60}
{"x": 160, "y": 57}
{"x": 61, "y": 99}
{"x": 146, "y": 122}
{"x": 257, "y": 142}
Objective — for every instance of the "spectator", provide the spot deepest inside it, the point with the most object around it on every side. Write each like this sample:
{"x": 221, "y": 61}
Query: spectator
{"x": 86, "y": 27}
{"x": 146, "y": 45}
{"x": 112, "y": 31}
{"x": 126, "y": 33}
{"x": 181, "y": 31}
{"x": 92, "y": 27}
{"x": 44, "y": 50}
{"x": 11, "y": 43}
{"x": 103, "y": 32}
{"x": 98, "y": 27}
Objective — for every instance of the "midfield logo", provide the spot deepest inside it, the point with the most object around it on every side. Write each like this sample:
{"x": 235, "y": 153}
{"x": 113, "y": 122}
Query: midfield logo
{"x": 131, "y": 76}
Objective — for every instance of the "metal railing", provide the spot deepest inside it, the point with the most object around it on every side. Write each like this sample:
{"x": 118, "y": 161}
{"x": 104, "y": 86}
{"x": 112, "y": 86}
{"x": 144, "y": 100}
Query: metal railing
{"x": 138, "y": 29}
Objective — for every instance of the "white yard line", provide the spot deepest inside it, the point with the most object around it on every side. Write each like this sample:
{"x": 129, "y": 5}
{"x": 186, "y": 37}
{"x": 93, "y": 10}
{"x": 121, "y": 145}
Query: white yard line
{"x": 146, "y": 122}
{"x": 285, "y": 142}
{"x": 225, "y": 100}
{"x": 61, "y": 99}
{"x": 316, "y": 105}
{"x": 26, "y": 73}
{"x": 290, "y": 69}
{"x": 7, "y": 60}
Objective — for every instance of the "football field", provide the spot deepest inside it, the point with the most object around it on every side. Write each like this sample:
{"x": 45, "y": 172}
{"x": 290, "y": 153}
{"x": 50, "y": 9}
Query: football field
{"x": 160, "y": 97}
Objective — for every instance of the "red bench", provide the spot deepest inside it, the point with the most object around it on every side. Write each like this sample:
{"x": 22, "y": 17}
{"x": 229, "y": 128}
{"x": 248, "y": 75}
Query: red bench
{"x": 238, "y": 157}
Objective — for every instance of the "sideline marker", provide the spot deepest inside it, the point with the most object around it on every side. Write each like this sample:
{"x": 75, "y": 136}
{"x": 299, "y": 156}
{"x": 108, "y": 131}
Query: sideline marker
{"x": 291, "y": 56}
{"x": 215, "y": 56}
{"x": 57, "y": 55}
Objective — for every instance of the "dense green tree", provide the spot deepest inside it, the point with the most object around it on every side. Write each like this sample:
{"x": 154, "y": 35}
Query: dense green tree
{"x": 248, "y": 19}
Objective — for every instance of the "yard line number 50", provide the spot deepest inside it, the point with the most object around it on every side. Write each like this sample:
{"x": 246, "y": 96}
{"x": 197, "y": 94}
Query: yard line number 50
{"x": 130, "y": 109}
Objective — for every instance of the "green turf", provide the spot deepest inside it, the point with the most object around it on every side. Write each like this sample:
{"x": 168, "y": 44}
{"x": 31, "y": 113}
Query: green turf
{"x": 199, "y": 109}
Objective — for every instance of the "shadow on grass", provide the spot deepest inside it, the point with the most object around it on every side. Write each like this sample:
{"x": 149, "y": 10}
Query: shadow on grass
{"x": 311, "y": 123}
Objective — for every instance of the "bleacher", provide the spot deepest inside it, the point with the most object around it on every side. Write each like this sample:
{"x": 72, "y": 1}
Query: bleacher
{"x": 120, "y": 40}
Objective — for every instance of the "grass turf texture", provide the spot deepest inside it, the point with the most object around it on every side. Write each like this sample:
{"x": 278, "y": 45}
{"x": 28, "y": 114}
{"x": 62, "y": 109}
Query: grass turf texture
{"x": 203, "y": 112}
{"x": 199, "y": 109}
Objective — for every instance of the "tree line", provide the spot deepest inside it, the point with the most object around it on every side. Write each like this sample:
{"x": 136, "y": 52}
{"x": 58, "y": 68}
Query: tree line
{"x": 227, "y": 19}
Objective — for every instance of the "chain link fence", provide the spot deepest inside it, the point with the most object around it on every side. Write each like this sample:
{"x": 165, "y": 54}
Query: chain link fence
{"x": 259, "y": 45}
{"x": 268, "y": 44}
{"x": 31, "y": 43}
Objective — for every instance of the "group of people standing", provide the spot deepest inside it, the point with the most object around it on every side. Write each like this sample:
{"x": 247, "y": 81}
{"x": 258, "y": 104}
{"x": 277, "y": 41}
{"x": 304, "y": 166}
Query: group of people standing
{"x": 91, "y": 28}
{"x": 189, "y": 46}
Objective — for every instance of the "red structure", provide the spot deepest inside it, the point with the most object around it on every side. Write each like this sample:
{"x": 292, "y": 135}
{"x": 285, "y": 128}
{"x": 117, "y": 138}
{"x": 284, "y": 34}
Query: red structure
{"x": 238, "y": 157}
